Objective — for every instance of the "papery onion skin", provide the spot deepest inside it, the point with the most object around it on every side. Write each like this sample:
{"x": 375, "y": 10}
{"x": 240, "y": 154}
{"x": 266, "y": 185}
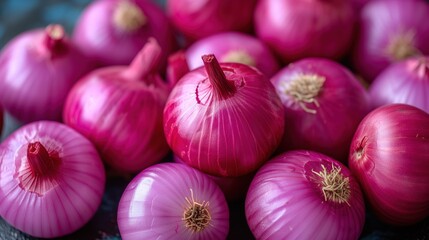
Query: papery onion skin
{"x": 120, "y": 110}
{"x": 80, "y": 181}
{"x": 389, "y": 156}
{"x": 285, "y": 202}
{"x": 299, "y": 29}
{"x": 405, "y": 81}
{"x": 35, "y": 77}
{"x": 196, "y": 19}
{"x": 326, "y": 125}
{"x": 224, "y": 136}
{"x": 97, "y": 33}
{"x": 234, "y": 188}
{"x": 234, "y": 47}
{"x": 383, "y": 21}
{"x": 153, "y": 204}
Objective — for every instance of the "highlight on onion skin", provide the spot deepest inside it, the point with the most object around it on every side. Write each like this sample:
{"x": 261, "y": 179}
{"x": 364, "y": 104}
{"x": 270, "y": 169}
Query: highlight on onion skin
{"x": 300, "y": 29}
{"x": 389, "y": 155}
{"x": 37, "y": 70}
{"x": 234, "y": 47}
{"x": 304, "y": 195}
{"x": 51, "y": 179}
{"x": 390, "y": 31}
{"x": 324, "y": 104}
{"x": 112, "y": 32}
{"x": 405, "y": 81}
{"x": 172, "y": 201}
{"x": 224, "y": 119}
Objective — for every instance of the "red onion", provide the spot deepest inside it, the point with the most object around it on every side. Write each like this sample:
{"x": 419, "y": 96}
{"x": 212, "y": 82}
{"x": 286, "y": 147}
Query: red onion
{"x": 359, "y": 4}
{"x": 304, "y": 195}
{"x": 224, "y": 119}
{"x": 390, "y": 30}
{"x": 177, "y": 67}
{"x": 196, "y": 19}
{"x": 172, "y": 201}
{"x": 120, "y": 110}
{"x": 51, "y": 180}
{"x": 114, "y": 31}
{"x": 234, "y": 188}
{"x": 406, "y": 81}
{"x": 37, "y": 70}
{"x": 389, "y": 156}
{"x": 234, "y": 47}
{"x": 299, "y": 29}
{"x": 324, "y": 104}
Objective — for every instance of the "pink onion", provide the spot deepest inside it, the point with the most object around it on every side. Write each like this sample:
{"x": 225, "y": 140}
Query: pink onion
{"x": 196, "y": 19}
{"x": 114, "y": 31}
{"x": 324, "y": 104}
{"x": 304, "y": 195}
{"x": 37, "y": 70}
{"x": 234, "y": 47}
{"x": 390, "y": 30}
{"x": 406, "y": 81}
{"x": 299, "y": 29}
{"x": 224, "y": 119}
{"x": 51, "y": 179}
{"x": 234, "y": 188}
{"x": 177, "y": 67}
{"x": 389, "y": 156}
{"x": 120, "y": 110}
{"x": 172, "y": 201}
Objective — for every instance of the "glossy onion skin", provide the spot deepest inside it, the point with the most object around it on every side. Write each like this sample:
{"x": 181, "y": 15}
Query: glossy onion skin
{"x": 402, "y": 82}
{"x": 393, "y": 141}
{"x": 153, "y": 204}
{"x": 283, "y": 202}
{"x": 196, "y": 19}
{"x": 299, "y": 29}
{"x": 64, "y": 208}
{"x": 34, "y": 84}
{"x": 223, "y": 44}
{"x": 229, "y": 137}
{"x": 96, "y": 34}
{"x": 122, "y": 117}
{"x": 343, "y": 103}
{"x": 379, "y": 22}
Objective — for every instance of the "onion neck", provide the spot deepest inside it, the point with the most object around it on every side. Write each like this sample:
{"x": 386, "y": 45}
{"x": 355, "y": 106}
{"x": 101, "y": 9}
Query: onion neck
{"x": 222, "y": 87}
{"x": 53, "y": 40}
{"x": 401, "y": 46}
{"x": 196, "y": 216}
{"x": 42, "y": 163}
{"x": 304, "y": 90}
{"x": 146, "y": 62}
{"x": 334, "y": 186}
{"x": 420, "y": 66}
{"x": 239, "y": 56}
{"x": 177, "y": 67}
{"x": 128, "y": 17}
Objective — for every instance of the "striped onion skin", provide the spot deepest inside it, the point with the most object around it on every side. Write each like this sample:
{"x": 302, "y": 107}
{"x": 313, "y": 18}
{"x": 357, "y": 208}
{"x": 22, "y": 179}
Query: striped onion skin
{"x": 73, "y": 196}
{"x": 153, "y": 204}
{"x": 286, "y": 201}
{"x": 224, "y": 137}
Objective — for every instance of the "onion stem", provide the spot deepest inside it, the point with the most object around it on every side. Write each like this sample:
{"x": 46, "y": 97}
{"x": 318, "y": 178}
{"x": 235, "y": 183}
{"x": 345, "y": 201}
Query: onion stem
{"x": 54, "y": 36}
{"x": 402, "y": 46}
{"x": 335, "y": 186}
{"x": 42, "y": 163}
{"x": 197, "y": 215}
{"x": 222, "y": 87}
{"x": 304, "y": 89}
{"x": 146, "y": 62}
{"x": 128, "y": 16}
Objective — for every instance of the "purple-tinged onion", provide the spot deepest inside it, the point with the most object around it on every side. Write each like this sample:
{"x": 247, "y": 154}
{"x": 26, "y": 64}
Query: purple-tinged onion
{"x": 324, "y": 104}
{"x": 37, "y": 70}
{"x": 304, "y": 195}
{"x": 177, "y": 67}
{"x": 300, "y": 29}
{"x": 120, "y": 110}
{"x": 51, "y": 179}
{"x": 389, "y": 156}
{"x": 173, "y": 201}
{"x": 224, "y": 119}
{"x": 390, "y": 30}
{"x": 114, "y": 31}
{"x": 234, "y": 47}
{"x": 406, "y": 81}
